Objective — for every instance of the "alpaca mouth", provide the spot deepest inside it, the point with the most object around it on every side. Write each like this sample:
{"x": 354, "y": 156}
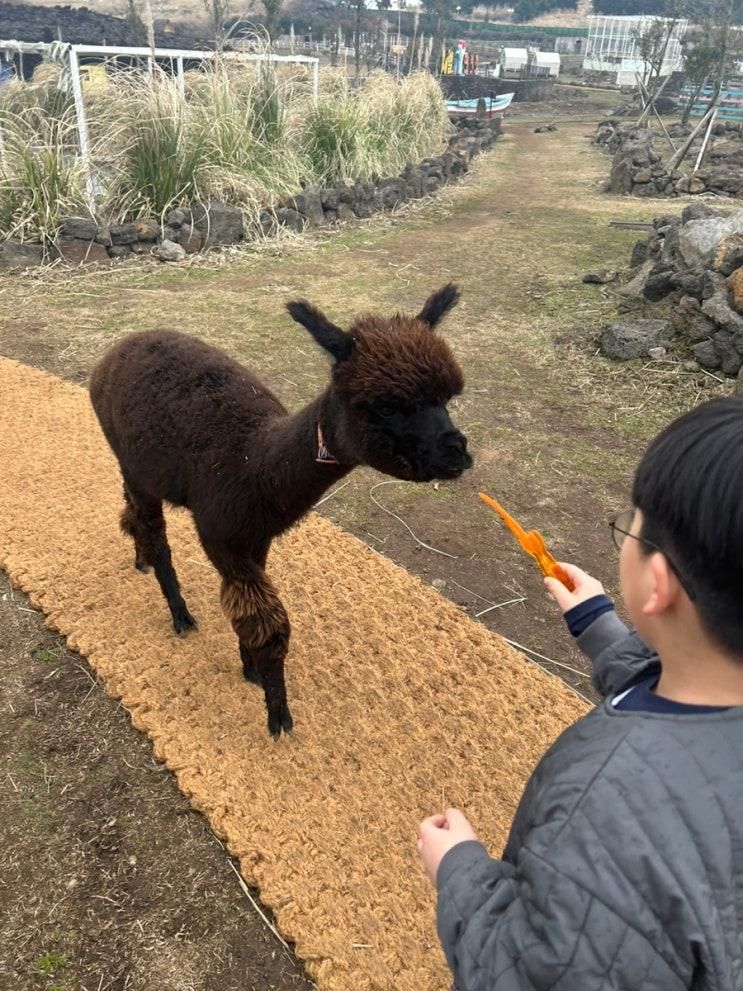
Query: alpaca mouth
{"x": 432, "y": 473}
{"x": 454, "y": 470}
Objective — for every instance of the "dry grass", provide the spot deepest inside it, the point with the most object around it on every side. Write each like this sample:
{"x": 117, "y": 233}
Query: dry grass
{"x": 248, "y": 134}
{"x": 41, "y": 182}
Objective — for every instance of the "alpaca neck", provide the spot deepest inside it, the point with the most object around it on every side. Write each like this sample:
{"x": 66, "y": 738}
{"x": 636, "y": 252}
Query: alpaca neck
{"x": 298, "y": 477}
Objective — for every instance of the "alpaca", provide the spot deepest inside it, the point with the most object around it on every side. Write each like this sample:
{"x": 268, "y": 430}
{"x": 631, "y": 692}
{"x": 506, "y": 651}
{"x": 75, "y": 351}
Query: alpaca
{"x": 191, "y": 427}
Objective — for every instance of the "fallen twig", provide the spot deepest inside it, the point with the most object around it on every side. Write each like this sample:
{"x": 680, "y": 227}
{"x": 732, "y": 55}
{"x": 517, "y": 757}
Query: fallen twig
{"x": 498, "y": 605}
{"x": 246, "y": 891}
{"x": 713, "y": 376}
{"x": 390, "y": 513}
{"x": 558, "y": 664}
{"x": 331, "y": 494}
{"x": 469, "y": 590}
{"x": 631, "y": 225}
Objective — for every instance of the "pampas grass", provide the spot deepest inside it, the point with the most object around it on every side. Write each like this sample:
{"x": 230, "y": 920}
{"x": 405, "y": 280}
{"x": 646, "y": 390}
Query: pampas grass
{"x": 228, "y": 137}
{"x": 248, "y": 133}
{"x": 41, "y": 176}
{"x": 41, "y": 93}
{"x": 374, "y": 130}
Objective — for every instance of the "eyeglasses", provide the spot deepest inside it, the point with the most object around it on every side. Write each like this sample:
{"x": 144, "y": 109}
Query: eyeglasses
{"x": 620, "y": 527}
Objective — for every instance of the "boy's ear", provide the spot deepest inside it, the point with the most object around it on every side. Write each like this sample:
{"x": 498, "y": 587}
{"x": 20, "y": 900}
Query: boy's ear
{"x": 665, "y": 586}
{"x": 438, "y": 305}
{"x": 336, "y": 341}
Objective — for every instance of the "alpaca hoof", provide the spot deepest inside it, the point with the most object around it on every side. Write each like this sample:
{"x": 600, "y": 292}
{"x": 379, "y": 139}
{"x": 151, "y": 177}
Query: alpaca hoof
{"x": 183, "y": 621}
{"x": 281, "y": 720}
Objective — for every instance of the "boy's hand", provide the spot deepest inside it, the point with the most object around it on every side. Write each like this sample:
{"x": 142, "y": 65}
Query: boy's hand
{"x": 438, "y": 834}
{"x": 585, "y": 588}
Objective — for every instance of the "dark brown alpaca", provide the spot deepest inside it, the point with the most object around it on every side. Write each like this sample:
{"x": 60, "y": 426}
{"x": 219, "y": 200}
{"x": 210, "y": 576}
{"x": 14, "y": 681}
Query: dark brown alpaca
{"x": 192, "y": 427}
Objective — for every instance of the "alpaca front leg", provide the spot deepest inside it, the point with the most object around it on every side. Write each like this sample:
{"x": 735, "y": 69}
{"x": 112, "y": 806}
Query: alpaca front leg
{"x": 262, "y": 626}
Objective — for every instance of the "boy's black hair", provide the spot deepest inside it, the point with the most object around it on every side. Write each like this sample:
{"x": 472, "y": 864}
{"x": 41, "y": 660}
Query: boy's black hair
{"x": 689, "y": 488}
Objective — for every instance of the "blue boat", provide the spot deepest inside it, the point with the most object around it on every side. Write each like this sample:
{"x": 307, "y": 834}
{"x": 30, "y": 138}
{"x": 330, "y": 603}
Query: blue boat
{"x": 494, "y": 106}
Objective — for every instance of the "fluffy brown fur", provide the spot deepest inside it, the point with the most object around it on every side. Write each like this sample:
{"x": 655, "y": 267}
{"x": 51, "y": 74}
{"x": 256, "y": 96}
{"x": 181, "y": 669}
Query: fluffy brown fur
{"x": 192, "y": 427}
{"x": 253, "y": 610}
{"x": 404, "y": 360}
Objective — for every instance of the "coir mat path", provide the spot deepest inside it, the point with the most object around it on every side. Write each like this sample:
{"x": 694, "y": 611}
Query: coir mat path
{"x": 402, "y": 704}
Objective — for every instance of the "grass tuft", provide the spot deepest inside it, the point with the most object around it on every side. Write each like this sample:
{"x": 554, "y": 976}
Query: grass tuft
{"x": 245, "y": 133}
{"x": 49, "y": 963}
{"x": 41, "y": 178}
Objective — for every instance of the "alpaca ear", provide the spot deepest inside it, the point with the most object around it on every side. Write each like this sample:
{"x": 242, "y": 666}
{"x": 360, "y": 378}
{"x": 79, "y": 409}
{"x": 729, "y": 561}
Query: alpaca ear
{"x": 438, "y": 305}
{"x": 327, "y": 335}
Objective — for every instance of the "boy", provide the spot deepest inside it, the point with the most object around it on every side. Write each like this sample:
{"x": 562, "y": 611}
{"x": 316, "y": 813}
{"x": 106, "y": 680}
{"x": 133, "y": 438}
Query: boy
{"x": 624, "y": 866}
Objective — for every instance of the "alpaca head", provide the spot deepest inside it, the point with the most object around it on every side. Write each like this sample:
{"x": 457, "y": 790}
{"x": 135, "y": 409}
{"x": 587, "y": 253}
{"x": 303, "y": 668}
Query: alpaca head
{"x": 391, "y": 383}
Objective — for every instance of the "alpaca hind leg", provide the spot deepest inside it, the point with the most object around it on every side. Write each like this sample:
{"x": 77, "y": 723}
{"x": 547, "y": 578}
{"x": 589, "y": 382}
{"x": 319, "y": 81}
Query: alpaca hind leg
{"x": 262, "y": 626}
{"x": 130, "y": 527}
{"x": 142, "y": 518}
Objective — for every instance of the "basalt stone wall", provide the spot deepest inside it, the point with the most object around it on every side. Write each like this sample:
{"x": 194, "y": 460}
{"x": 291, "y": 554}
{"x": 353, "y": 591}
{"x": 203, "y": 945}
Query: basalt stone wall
{"x": 684, "y": 292}
{"x": 201, "y": 226}
{"x": 79, "y": 26}
{"x": 637, "y": 169}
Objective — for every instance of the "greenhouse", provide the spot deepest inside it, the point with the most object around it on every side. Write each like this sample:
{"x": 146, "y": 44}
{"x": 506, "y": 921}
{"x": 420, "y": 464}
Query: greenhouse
{"x": 614, "y": 45}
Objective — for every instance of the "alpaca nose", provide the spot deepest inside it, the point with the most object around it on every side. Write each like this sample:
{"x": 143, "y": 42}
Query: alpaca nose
{"x": 453, "y": 446}
{"x": 454, "y": 442}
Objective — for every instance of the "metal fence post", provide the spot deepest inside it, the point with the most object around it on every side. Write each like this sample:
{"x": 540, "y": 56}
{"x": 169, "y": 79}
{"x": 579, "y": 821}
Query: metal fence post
{"x": 82, "y": 128}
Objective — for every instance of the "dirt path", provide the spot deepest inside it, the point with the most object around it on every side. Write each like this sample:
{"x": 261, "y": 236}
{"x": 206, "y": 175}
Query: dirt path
{"x": 555, "y": 431}
{"x": 108, "y": 879}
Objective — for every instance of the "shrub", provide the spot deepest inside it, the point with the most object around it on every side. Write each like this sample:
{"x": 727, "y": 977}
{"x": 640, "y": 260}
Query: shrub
{"x": 247, "y": 133}
{"x": 377, "y": 129}
{"x": 41, "y": 176}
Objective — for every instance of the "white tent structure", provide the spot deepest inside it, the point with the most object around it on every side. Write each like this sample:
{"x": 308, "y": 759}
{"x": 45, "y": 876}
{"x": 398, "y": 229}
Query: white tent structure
{"x": 548, "y": 63}
{"x": 514, "y": 59}
{"x": 69, "y": 57}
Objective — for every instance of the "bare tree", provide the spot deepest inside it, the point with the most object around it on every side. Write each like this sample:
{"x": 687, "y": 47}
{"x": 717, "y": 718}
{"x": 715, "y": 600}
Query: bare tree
{"x": 729, "y": 42}
{"x": 716, "y": 20}
{"x": 652, "y": 44}
{"x": 217, "y": 12}
{"x": 149, "y": 23}
{"x": 414, "y": 39}
{"x": 701, "y": 56}
{"x": 718, "y": 16}
{"x": 649, "y": 45}
{"x": 359, "y": 6}
{"x": 135, "y": 24}
{"x": 273, "y": 9}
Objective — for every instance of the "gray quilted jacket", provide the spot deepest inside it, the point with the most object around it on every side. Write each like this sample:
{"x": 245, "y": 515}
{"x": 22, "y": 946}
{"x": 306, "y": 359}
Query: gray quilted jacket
{"x": 624, "y": 867}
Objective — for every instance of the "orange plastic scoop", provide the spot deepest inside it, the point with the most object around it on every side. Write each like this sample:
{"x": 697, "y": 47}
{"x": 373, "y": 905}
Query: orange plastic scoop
{"x": 533, "y": 543}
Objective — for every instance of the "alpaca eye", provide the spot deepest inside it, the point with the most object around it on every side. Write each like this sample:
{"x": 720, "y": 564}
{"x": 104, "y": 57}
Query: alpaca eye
{"x": 386, "y": 411}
